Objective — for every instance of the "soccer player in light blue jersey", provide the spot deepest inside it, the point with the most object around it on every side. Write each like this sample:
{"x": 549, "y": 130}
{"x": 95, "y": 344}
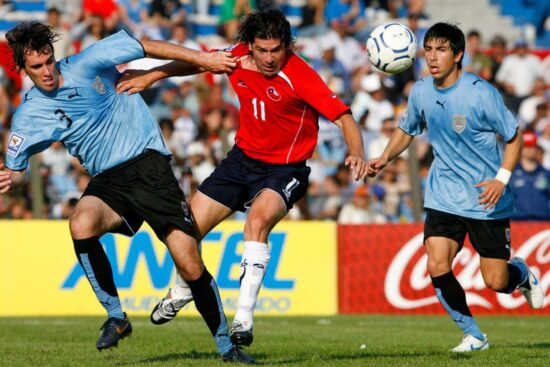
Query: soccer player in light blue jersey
{"x": 467, "y": 190}
{"x": 117, "y": 140}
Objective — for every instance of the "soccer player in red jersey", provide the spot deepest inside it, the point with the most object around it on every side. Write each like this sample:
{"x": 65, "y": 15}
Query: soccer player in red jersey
{"x": 281, "y": 98}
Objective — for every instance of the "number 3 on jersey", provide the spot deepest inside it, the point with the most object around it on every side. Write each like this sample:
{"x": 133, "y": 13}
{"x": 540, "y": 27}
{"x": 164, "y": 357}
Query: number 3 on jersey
{"x": 262, "y": 109}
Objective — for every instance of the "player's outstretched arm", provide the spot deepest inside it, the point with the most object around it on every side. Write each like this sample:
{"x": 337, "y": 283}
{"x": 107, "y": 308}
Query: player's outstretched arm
{"x": 9, "y": 179}
{"x": 215, "y": 62}
{"x": 399, "y": 141}
{"x": 494, "y": 188}
{"x": 354, "y": 140}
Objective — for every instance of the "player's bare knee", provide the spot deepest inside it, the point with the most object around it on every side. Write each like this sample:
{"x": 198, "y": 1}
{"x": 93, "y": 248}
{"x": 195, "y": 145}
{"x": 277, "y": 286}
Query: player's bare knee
{"x": 82, "y": 225}
{"x": 496, "y": 282}
{"x": 437, "y": 267}
{"x": 191, "y": 270}
{"x": 255, "y": 226}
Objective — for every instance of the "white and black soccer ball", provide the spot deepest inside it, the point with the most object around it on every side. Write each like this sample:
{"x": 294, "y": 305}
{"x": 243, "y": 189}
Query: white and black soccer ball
{"x": 392, "y": 47}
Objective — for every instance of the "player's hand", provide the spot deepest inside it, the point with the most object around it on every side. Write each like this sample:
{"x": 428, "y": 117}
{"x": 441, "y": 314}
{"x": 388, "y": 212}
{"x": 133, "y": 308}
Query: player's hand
{"x": 5, "y": 179}
{"x": 358, "y": 167}
{"x": 219, "y": 62}
{"x": 134, "y": 81}
{"x": 375, "y": 165}
{"x": 491, "y": 193}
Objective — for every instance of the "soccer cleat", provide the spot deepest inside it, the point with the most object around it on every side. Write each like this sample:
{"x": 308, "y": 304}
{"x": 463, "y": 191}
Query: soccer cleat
{"x": 470, "y": 343}
{"x": 236, "y": 355}
{"x": 534, "y": 293}
{"x": 240, "y": 334}
{"x": 168, "y": 308}
{"x": 114, "y": 329}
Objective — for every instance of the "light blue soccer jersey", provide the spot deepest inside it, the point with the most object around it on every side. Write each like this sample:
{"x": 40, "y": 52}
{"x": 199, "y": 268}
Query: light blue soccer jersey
{"x": 97, "y": 125}
{"x": 462, "y": 122}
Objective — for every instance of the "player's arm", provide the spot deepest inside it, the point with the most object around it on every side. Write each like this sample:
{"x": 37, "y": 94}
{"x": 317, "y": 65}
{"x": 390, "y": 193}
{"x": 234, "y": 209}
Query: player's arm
{"x": 216, "y": 62}
{"x": 399, "y": 141}
{"x": 493, "y": 189}
{"x": 354, "y": 140}
{"x": 9, "y": 179}
{"x": 135, "y": 81}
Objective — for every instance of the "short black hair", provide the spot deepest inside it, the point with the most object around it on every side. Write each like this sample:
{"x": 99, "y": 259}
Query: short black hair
{"x": 266, "y": 24}
{"x": 448, "y": 32}
{"x": 30, "y": 36}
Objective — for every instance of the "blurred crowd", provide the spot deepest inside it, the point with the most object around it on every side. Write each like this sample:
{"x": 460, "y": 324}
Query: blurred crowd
{"x": 199, "y": 115}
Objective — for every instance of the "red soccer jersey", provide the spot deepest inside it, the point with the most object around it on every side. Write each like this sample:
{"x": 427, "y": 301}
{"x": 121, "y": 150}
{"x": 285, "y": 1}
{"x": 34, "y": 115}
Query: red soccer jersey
{"x": 279, "y": 115}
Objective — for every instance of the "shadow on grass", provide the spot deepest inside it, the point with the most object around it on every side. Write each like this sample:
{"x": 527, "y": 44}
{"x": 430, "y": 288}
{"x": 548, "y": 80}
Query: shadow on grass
{"x": 349, "y": 357}
{"x": 532, "y": 345}
{"x": 192, "y": 355}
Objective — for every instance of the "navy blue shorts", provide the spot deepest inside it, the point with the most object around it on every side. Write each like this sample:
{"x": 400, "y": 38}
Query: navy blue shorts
{"x": 239, "y": 179}
{"x": 490, "y": 238}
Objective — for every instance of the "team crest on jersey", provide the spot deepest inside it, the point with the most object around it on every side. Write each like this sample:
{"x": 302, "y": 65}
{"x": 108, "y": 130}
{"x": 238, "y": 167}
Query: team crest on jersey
{"x": 273, "y": 94}
{"x": 14, "y": 144}
{"x": 459, "y": 123}
{"x": 99, "y": 86}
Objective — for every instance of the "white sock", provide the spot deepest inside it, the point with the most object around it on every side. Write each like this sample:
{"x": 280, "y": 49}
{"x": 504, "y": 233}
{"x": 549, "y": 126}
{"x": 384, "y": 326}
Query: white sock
{"x": 253, "y": 267}
{"x": 181, "y": 289}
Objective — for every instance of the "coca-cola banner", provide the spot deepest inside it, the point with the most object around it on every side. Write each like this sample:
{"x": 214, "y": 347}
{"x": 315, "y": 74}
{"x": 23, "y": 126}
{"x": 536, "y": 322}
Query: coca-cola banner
{"x": 382, "y": 269}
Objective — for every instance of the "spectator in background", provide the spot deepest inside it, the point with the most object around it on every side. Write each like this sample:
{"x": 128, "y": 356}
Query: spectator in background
{"x": 530, "y": 108}
{"x": 358, "y": 210}
{"x": 89, "y": 31}
{"x": 106, "y": 9}
{"x": 333, "y": 72}
{"x": 480, "y": 63}
{"x": 497, "y": 52}
{"x": 518, "y": 73}
{"x": 133, "y": 14}
{"x": 349, "y": 14}
{"x": 165, "y": 13}
{"x": 531, "y": 183}
{"x": 231, "y": 13}
{"x": 372, "y": 99}
{"x": 544, "y": 143}
{"x": 64, "y": 46}
{"x": 313, "y": 19}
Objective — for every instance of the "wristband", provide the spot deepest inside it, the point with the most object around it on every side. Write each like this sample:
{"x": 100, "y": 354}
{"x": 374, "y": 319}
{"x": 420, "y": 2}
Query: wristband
{"x": 503, "y": 175}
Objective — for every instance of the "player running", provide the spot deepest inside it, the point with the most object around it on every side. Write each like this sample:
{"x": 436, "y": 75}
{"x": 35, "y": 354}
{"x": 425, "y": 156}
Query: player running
{"x": 467, "y": 190}
{"x": 119, "y": 143}
{"x": 281, "y": 98}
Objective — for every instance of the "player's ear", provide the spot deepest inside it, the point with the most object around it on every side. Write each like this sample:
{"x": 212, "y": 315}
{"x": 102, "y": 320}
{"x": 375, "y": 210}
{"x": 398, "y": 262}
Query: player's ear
{"x": 22, "y": 72}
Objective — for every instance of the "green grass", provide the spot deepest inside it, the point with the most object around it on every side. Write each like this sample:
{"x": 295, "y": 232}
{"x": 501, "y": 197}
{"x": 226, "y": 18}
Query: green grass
{"x": 289, "y": 341}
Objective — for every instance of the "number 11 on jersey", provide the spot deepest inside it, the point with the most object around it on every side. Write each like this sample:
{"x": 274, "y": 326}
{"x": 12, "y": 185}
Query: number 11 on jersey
{"x": 262, "y": 109}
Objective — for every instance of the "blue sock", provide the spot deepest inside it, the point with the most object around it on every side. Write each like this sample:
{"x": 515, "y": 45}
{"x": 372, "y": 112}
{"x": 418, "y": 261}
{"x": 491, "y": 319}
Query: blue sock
{"x": 97, "y": 268}
{"x": 453, "y": 298}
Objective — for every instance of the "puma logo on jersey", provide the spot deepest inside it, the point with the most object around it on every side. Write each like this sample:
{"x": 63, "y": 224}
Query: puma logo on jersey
{"x": 442, "y": 104}
{"x": 75, "y": 94}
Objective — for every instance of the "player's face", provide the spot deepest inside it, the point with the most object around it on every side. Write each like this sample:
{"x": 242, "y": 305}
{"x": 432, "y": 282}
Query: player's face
{"x": 269, "y": 55}
{"x": 40, "y": 67}
{"x": 441, "y": 61}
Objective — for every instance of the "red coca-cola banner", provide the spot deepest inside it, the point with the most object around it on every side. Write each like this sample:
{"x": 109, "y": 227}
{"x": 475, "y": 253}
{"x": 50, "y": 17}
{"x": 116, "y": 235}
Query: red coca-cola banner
{"x": 382, "y": 269}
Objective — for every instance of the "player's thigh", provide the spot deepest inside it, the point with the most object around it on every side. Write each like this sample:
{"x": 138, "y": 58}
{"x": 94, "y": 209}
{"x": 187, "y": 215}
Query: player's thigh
{"x": 93, "y": 217}
{"x": 444, "y": 236}
{"x": 494, "y": 272}
{"x": 267, "y": 209}
{"x": 207, "y": 213}
{"x": 490, "y": 238}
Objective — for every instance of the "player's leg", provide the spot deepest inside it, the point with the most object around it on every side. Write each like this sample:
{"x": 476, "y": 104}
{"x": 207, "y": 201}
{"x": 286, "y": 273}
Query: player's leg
{"x": 207, "y": 213}
{"x": 184, "y": 251}
{"x": 267, "y": 209}
{"x": 444, "y": 235}
{"x": 492, "y": 239}
{"x": 91, "y": 219}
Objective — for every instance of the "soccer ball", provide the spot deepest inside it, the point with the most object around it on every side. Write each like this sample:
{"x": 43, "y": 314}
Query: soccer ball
{"x": 392, "y": 48}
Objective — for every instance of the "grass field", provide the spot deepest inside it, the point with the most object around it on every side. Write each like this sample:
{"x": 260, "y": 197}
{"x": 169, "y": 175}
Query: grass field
{"x": 290, "y": 341}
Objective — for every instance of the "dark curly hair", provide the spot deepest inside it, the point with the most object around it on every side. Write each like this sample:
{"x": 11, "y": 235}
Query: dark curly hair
{"x": 266, "y": 24}
{"x": 30, "y": 36}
